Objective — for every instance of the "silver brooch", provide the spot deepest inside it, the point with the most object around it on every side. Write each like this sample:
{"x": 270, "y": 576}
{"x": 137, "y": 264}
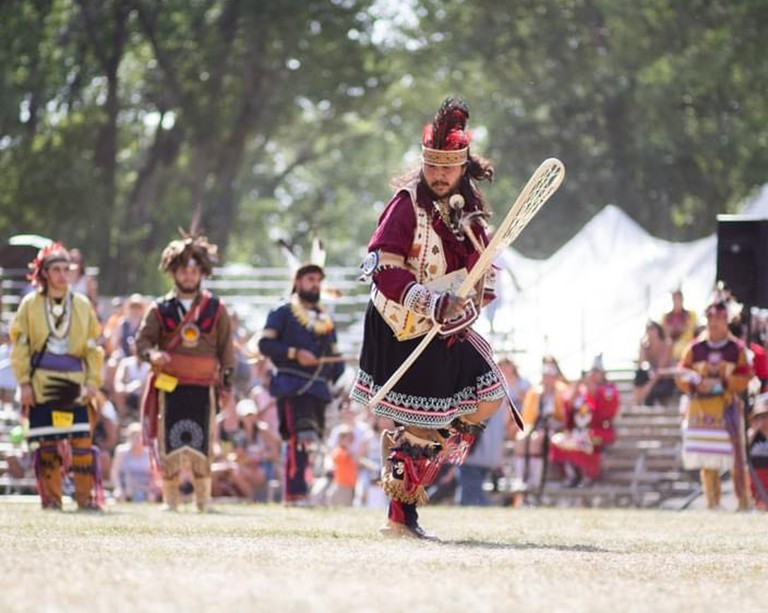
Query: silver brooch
{"x": 370, "y": 263}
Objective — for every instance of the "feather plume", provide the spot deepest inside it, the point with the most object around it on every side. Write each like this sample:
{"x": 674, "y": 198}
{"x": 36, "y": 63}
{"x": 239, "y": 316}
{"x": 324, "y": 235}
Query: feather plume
{"x": 294, "y": 263}
{"x": 448, "y": 127}
{"x": 318, "y": 253}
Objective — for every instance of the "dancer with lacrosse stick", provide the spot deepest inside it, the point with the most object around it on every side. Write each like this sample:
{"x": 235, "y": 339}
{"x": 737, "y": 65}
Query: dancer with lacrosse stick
{"x": 430, "y": 264}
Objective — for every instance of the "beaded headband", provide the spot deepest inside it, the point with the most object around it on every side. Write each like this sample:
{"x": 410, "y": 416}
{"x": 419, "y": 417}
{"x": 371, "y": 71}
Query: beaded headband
{"x": 438, "y": 157}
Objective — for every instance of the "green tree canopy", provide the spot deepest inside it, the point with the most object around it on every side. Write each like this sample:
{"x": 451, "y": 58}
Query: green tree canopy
{"x": 121, "y": 120}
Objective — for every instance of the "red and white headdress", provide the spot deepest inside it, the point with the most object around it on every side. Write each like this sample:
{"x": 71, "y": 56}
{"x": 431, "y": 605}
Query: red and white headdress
{"x": 54, "y": 252}
{"x": 445, "y": 141}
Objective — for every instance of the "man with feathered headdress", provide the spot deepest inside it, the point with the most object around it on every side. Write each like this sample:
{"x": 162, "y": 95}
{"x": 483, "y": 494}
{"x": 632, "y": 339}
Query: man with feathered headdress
{"x": 428, "y": 236}
{"x": 297, "y": 335}
{"x": 713, "y": 372}
{"x": 186, "y": 336}
{"x": 58, "y": 364}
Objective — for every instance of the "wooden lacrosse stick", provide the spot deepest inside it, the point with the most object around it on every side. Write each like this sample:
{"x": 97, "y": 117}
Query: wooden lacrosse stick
{"x": 466, "y": 226}
{"x": 543, "y": 183}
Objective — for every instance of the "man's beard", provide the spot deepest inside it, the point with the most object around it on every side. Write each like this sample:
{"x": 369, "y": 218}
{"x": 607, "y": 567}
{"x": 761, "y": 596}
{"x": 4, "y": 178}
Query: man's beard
{"x": 310, "y": 297}
{"x": 193, "y": 289}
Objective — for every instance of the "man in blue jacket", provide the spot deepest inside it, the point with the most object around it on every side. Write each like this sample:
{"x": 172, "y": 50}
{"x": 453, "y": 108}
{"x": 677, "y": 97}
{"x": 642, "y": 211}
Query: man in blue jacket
{"x": 299, "y": 337}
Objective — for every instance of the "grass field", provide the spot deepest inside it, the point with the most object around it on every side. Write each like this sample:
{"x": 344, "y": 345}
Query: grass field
{"x": 267, "y": 558}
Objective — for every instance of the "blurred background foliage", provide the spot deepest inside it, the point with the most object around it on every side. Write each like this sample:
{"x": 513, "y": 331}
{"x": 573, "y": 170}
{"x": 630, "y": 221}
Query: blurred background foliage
{"x": 122, "y": 120}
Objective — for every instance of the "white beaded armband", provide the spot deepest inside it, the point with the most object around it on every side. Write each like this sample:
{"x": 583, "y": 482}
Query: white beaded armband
{"x": 433, "y": 305}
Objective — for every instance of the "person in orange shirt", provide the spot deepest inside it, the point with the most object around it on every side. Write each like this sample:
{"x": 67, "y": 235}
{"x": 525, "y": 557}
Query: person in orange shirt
{"x": 344, "y": 470}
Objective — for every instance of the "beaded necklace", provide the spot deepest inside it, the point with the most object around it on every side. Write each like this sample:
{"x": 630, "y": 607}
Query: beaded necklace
{"x": 57, "y": 314}
{"x": 318, "y": 322}
{"x": 444, "y": 211}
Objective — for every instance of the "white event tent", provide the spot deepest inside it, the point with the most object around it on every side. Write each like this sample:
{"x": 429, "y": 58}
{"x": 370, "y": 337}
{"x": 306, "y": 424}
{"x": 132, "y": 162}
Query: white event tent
{"x": 595, "y": 293}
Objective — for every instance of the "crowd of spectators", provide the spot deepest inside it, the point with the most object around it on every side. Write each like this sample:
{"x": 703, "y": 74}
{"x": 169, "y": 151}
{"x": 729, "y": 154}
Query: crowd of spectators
{"x": 568, "y": 423}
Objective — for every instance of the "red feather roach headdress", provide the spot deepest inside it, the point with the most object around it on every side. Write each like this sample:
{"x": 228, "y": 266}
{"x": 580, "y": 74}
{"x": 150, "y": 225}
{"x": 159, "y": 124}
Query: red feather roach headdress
{"x": 54, "y": 252}
{"x": 445, "y": 141}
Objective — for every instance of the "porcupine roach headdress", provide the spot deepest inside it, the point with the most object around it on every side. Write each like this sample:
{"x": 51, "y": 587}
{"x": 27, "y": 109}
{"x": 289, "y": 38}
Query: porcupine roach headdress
{"x": 55, "y": 252}
{"x": 189, "y": 250}
{"x": 445, "y": 141}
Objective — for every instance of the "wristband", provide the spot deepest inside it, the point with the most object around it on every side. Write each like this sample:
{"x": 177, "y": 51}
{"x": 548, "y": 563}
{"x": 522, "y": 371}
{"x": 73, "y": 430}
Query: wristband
{"x": 417, "y": 299}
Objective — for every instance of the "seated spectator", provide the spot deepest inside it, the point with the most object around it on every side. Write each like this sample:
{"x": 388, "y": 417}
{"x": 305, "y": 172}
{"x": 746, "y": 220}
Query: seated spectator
{"x": 106, "y": 432}
{"x": 759, "y": 362}
{"x": 130, "y": 377}
{"x": 654, "y": 378}
{"x": 342, "y": 492}
{"x": 133, "y": 477}
{"x": 229, "y": 427}
{"x": 227, "y": 480}
{"x": 589, "y": 427}
{"x": 516, "y": 384}
{"x": 355, "y": 417}
{"x": 242, "y": 377}
{"x": 485, "y": 456}
{"x": 351, "y": 417}
{"x": 81, "y": 280}
{"x": 7, "y": 378}
{"x": 543, "y": 414}
{"x": 266, "y": 405}
{"x": 679, "y": 325}
{"x": 126, "y": 329}
{"x": 752, "y": 335}
{"x": 236, "y": 475}
{"x": 246, "y": 454}
{"x": 113, "y": 321}
{"x": 263, "y": 447}
{"x": 18, "y": 457}
{"x": 371, "y": 494}
{"x": 757, "y": 451}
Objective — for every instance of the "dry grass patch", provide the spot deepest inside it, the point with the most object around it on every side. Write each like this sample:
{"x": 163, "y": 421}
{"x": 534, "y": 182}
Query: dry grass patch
{"x": 266, "y": 558}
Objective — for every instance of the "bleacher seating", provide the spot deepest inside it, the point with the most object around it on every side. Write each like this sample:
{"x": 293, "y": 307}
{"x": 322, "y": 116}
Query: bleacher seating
{"x": 642, "y": 468}
{"x": 252, "y": 292}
